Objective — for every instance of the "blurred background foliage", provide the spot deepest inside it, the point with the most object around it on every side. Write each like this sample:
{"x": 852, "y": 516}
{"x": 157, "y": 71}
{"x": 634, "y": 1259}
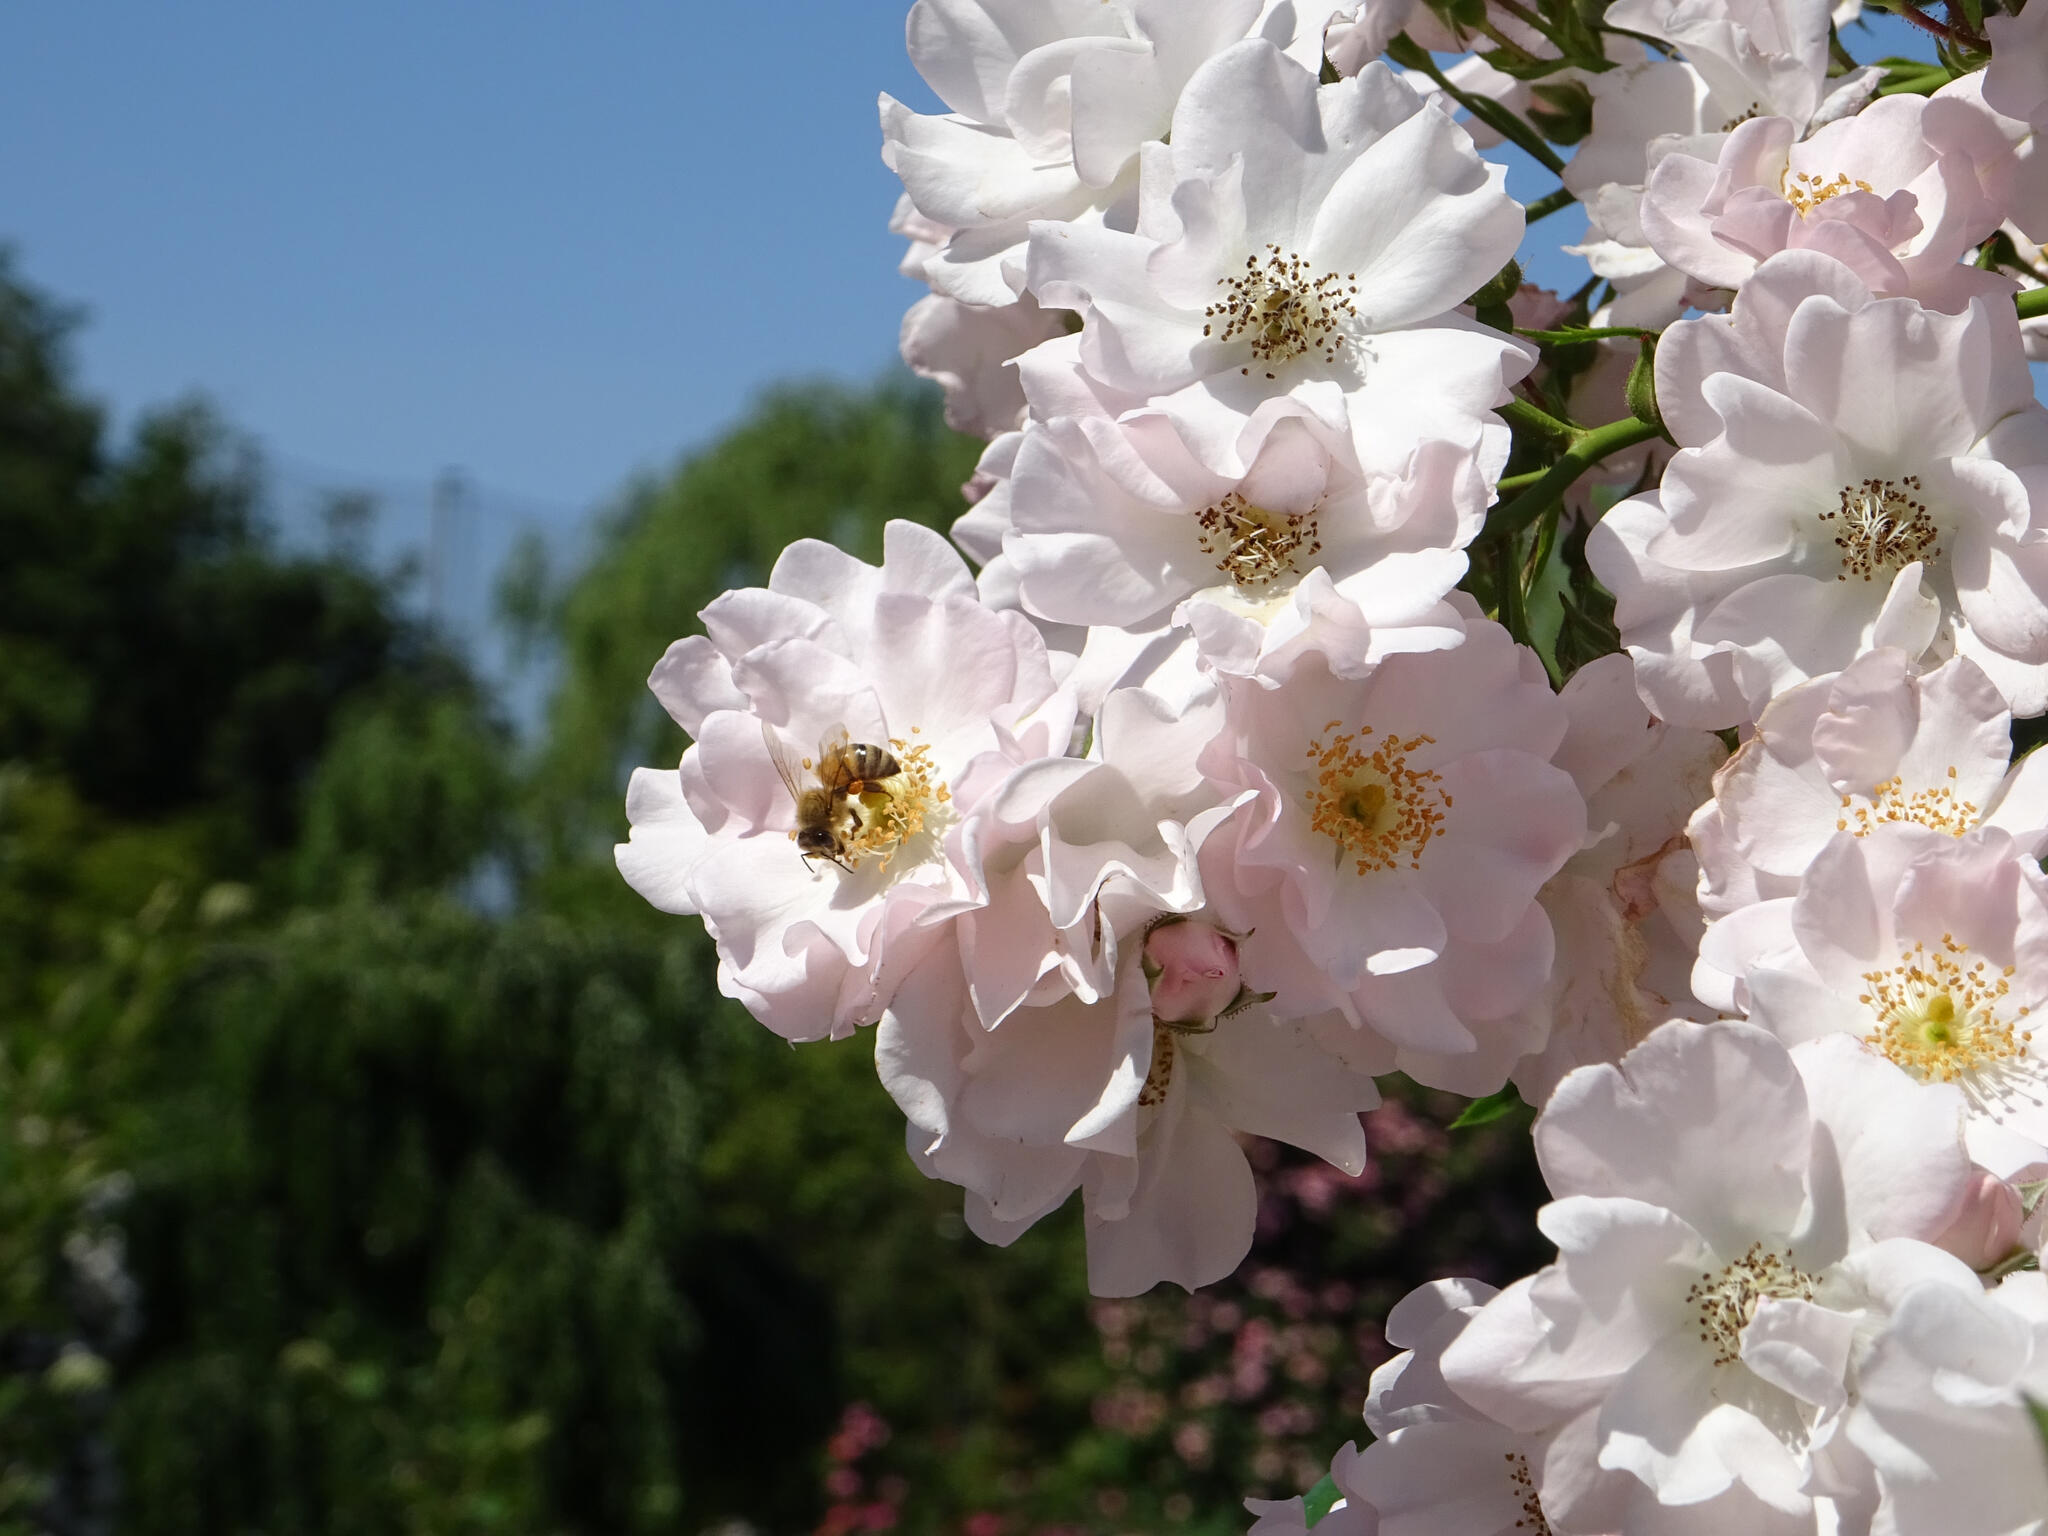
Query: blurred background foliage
{"x": 372, "y": 1160}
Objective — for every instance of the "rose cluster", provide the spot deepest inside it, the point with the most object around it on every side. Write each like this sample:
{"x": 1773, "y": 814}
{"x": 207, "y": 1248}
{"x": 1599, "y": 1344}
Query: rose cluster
{"x": 1327, "y": 699}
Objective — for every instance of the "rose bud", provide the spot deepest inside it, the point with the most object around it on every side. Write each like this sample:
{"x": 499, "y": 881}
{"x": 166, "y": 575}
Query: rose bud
{"x": 1987, "y": 1223}
{"x": 1192, "y": 968}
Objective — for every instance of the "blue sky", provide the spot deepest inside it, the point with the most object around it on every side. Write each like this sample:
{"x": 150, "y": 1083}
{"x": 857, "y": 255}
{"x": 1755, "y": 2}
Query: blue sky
{"x": 548, "y": 243}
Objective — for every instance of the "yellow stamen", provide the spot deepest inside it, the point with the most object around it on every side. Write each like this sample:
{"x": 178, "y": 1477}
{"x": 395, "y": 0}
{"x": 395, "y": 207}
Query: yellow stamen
{"x": 1939, "y": 1014}
{"x": 1379, "y": 811}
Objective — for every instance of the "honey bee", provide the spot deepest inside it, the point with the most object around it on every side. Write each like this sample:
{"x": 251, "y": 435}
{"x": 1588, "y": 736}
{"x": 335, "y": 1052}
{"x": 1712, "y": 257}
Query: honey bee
{"x": 851, "y": 780}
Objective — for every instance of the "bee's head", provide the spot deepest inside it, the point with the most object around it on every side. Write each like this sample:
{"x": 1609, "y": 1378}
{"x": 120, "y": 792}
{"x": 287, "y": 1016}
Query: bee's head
{"x": 816, "y": 840}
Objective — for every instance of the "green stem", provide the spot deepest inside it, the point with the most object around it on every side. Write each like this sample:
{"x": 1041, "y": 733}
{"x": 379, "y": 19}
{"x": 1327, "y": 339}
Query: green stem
{"x": 1588, "y": 449}
{"x": 1548, "y": 204}
{"x": 1532, "y": 21}
{"x": 1509, "y": 606}
{"x": 1584, "y": 333}
{"x": 2032, "y": 303}
{"x": 1412, "y": 55}
{"x": 1530, "y": 418}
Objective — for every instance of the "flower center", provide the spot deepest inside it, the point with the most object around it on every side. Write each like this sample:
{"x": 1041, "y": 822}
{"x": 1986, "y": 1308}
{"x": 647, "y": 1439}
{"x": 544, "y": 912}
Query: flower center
{"x": 1370, "y": 803}
{"x": 1285, "y": 310}
{"x": 1806, "y": 190}
{"x": 1937, "y": 808}
{"x": 1938, "y": 1014}
{"x": 876, "y": 817}
{"x": 1754, "y": 109}
{"x": 1531, "y": 1519}
{"x": 1253, "y": 546}
{"x": 1880, "y": 527}
{"x": 1727, "y": 1300}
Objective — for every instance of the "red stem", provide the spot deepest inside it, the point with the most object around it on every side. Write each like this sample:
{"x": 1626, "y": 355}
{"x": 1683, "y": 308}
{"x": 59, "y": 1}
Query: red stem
{"x": 1946, "y": 31}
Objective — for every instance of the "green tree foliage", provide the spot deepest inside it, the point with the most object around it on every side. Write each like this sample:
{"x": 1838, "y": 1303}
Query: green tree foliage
{"x": 154, "y": 648}
{"x": 421, "y": 1245}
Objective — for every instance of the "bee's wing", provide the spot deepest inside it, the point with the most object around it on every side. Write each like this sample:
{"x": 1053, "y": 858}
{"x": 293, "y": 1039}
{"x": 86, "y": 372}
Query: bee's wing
{"x": 835, "y": 759}
{"x": 785, "y": 765}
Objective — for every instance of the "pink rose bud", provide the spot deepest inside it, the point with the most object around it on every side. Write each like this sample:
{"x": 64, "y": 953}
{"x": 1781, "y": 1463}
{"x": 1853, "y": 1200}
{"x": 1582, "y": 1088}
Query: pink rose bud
{"x": 1193, "y": 971}
{"x": 1987, "y": 1224}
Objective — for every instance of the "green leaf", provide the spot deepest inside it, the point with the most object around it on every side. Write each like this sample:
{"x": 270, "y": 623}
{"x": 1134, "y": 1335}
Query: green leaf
{"x": 1495, "y": 1106}
{"x": 1318, "y": 1500}
{"x": 1544, "y": 606}
{"x": 2036, "y": 1411}
{"x": 1641, "y": 389}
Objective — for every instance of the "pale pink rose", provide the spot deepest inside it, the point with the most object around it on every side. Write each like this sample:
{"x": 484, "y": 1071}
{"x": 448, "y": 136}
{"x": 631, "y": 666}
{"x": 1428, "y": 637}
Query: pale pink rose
{"x": 1096, "y": 1095}
{"x": 1192, "y": 968}
{"x": 1067, "y": 853}
{"x": 2016, "y": 80}
{"x": 1396, "y": 832}
{"x": 1943, "y": 1412}
{"x": 1999, "y": 97}
{"x": 1754, "y": 56}
{"x": 1853, "y": 472}
{"x": 1930, "y": 949}
{"x": 1987, "y": 1226}
{"x": 1112, "y": 520}
{"x": 1622, "y": 907}
{"x": 967, "y": 349}
{"x": 1048, "y": 108}
{"x": 1732, "y": 1219}
{"x": 1898, "y": 193}
{"x": 902, "y": 659}
{"x": 1352, "y": 1514}
{"x": 1873, "y": 744}
{"x": 1364, "y": 203}
{"x": 1437, "y": 1464}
